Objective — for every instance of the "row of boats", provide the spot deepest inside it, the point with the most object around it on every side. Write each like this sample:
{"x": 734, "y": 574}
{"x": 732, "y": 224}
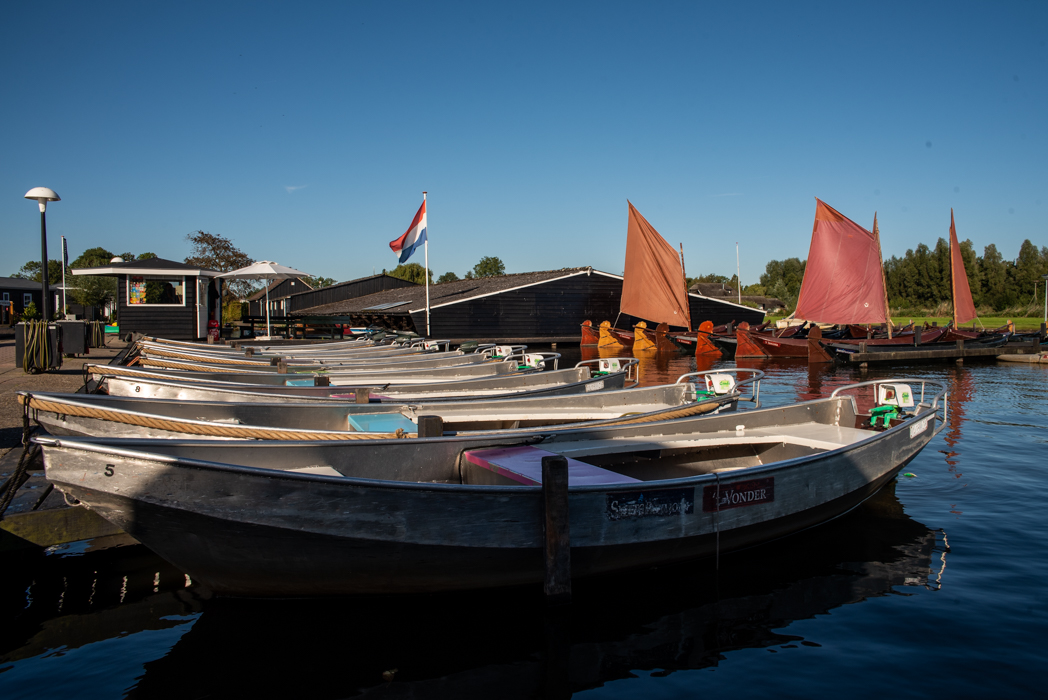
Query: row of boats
{"x": 806, "y": 340}
{"x": 392, "y": 464}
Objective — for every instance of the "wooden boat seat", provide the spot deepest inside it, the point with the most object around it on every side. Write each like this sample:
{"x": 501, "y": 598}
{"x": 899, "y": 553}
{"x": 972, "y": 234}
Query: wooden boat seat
{"x": 524, "y": 466}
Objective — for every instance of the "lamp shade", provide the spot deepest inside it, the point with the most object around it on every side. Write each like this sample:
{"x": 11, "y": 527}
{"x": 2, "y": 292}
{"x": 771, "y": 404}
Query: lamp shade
{"x": 45, "y": 194}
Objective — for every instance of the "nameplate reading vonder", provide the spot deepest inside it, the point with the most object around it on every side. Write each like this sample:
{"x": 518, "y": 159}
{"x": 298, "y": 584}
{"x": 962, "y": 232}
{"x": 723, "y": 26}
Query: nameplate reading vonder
{"x": 738, "y": 494}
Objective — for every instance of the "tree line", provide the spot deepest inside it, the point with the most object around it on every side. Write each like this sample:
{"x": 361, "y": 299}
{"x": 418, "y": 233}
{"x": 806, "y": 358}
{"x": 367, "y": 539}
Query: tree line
{"x": 413, "y": 272}
{"x": 920, "y": 279}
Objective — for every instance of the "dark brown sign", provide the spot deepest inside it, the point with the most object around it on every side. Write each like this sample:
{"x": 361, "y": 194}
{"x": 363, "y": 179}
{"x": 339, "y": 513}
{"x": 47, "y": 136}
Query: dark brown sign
{"x": 738, "y": 494}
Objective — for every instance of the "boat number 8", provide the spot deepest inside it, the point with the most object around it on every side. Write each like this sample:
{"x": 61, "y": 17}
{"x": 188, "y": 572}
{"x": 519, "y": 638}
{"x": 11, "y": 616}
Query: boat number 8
{"x": 109, "y": 470}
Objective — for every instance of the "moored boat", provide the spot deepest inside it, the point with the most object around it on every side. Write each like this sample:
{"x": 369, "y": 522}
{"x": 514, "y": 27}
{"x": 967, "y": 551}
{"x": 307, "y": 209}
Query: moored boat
{"x": 383, "y": 516}
{"x": 100, "y": 415}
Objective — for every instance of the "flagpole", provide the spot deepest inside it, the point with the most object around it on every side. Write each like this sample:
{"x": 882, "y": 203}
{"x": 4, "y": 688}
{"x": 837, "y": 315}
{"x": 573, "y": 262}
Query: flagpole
{"x": 427, "y": 266}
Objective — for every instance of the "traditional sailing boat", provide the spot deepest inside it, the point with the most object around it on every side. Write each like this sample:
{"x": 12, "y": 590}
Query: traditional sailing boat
{"x": 843, "y": 283}
{"x": 963, "y": 306}
{"x": 653, "y": 288}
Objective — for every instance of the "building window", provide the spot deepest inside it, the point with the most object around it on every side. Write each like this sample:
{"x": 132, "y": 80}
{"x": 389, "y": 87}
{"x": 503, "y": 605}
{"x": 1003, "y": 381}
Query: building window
{"x": 156, "y": 290}
{"x": 7, "y": 296}
{"x": 27, "y": 299}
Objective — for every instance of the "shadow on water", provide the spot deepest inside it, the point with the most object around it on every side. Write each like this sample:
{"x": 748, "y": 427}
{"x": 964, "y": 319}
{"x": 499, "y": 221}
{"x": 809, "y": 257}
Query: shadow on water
{"x": 470, "y": 645}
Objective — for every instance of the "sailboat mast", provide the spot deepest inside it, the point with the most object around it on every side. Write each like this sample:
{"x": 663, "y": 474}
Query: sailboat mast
{"x": 884, "y": 279}
{"x": 685, "y": 278}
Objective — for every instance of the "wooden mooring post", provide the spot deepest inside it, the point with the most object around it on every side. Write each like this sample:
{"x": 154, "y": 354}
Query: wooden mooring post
{"x": 557, "y": 580}
{"x": 430, "y": 426}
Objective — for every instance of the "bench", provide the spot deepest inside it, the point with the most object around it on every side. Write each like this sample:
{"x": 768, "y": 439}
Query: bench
{"x": 524, "y": 466}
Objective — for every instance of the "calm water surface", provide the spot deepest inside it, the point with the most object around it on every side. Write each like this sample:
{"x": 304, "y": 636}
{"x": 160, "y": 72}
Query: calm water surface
{"x": 871, "y": 604}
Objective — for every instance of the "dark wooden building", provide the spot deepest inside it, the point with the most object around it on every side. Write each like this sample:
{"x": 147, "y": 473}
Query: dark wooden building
{"x": 290, "y": 297}
{"x": 280, "y": 293}
{"x": 531, "y": 306}
{"x": 16, "y": 293}
{"x": 163, "y": 297}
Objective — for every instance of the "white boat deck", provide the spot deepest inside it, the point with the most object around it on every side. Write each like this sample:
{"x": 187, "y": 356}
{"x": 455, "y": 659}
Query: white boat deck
{"x": 814, "y": 435}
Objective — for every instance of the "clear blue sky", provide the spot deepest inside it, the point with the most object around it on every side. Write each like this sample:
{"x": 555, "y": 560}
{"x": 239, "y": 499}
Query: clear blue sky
{"x": 306, "y": 132}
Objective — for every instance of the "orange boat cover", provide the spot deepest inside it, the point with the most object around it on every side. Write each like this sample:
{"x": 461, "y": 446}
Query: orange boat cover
{"x": 843, "y": 280}
{"x": 963, "y": 307}
{"x": 653, "y": 284}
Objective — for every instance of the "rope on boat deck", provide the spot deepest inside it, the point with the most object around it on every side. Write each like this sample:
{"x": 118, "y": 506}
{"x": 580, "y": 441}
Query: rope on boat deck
{"x": 209, "y": 430}
{"x": 118, "y": 371}
{"x": 211, "y": 361}
{"x": 164, "y": 364}
{"x": 693, "y": 410}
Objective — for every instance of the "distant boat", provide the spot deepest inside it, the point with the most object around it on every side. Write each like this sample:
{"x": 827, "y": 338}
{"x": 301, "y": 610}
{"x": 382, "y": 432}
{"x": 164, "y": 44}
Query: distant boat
{"x": 843, "y": 284}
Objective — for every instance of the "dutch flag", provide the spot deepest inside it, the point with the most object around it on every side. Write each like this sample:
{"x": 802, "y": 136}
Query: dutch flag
{"x": 414, "y": 237}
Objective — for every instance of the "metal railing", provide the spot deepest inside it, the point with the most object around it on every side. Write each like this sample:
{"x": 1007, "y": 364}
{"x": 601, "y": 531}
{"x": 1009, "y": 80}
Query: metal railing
{"x": 932, "y": 405}
{"x": 753, "y": 380}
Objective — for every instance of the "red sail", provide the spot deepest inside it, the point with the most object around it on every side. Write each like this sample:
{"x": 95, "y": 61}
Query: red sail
{"x": 843, "y": 281}
{"x": 963, "y": 307}
{"x": 653, "y": 284}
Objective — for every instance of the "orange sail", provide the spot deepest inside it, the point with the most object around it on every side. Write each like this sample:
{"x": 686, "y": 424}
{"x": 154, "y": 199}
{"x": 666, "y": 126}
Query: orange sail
{"x": 652, "y": 285}
{"x": 963, "y": 307}
{"x": 843, "y": 278}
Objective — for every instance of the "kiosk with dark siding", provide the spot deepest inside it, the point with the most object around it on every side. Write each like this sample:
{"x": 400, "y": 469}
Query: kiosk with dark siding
{"x": 163, "y": 297}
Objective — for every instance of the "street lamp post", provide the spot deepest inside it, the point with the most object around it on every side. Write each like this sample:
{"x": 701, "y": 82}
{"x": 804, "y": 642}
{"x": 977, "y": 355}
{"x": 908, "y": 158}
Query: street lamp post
{"x": 43, "y": 195}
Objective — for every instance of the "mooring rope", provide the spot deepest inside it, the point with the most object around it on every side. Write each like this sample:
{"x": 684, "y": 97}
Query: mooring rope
{"x": 37, "y": 348}
{"x": 19, "y": 477}
{"x": 210, "y": 429}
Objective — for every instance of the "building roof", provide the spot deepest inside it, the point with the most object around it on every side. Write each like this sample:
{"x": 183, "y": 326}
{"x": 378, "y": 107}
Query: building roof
{"x": 365, "y": 279}
{"x": 19, "y": 283}
{"x": 148, "y": 266}
{"x": 261, "y": 294}
{"x": 713, "y": 289}
{"x": 408, "y": 299}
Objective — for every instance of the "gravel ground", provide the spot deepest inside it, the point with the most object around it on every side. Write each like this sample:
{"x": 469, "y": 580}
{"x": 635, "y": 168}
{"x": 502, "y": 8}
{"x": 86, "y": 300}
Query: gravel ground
{"x": 12, "y": 379}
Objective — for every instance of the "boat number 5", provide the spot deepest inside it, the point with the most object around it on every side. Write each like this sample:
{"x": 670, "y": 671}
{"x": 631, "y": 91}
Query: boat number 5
{"x": 109, "y": 470}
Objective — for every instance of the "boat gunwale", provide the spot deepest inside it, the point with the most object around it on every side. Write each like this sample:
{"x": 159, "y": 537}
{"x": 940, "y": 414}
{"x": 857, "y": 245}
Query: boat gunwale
{"x": 104, "y": 446}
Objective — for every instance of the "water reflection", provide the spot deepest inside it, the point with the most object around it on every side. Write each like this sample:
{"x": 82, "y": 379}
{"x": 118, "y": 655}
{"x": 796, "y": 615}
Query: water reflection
{"x": 488, "y": 644}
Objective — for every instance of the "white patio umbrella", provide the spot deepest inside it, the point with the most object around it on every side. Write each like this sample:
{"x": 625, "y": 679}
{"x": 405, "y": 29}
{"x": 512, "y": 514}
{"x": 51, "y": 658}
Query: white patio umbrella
{"x": 265, "y": 270}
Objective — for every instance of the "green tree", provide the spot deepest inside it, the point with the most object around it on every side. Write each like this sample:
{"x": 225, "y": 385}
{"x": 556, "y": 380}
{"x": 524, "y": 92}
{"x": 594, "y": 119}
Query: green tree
{"x": 447, "y": 277}
{"x": 319, "y": 282}
{"x": 488, "y": 267}
{"x": 1029, "y": 267}
{"x": 412, "y": 272}
{"x": 93, "y": 290}
{"x": 31, "y": 271}
{"x": 782, "y": 280}
{"x": 996, "y": 292}
{"x": 214, "y": 252}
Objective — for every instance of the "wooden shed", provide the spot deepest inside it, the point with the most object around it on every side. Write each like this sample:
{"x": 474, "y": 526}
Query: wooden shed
{"x": 544, "y": 306}
{"x": 17, "y": 293}
{"x": 163, "y": 297}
